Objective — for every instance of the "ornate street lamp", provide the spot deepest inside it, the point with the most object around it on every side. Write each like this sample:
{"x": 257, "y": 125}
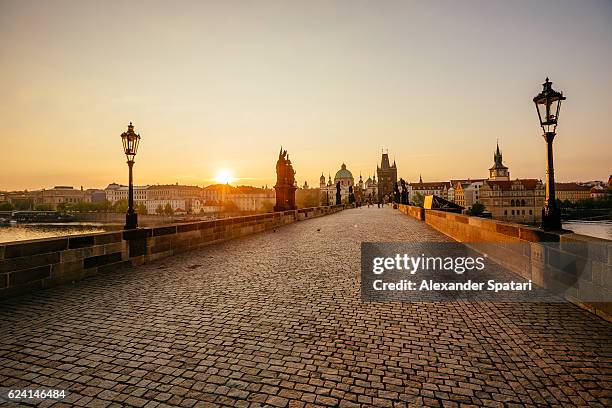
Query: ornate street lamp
{"x": 548, "y": 105}
{"x": 130, "y": 145}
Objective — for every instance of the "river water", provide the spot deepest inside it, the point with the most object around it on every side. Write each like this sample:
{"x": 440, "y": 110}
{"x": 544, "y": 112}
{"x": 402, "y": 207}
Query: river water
{"x": 598, "y": 229}
{"x": 20, "y": 232}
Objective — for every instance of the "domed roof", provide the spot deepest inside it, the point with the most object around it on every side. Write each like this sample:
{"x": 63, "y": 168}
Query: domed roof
{"x": 343, "y": 173}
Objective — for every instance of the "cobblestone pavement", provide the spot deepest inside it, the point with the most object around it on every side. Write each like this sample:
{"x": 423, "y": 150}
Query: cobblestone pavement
{"x": 275, "y": 319}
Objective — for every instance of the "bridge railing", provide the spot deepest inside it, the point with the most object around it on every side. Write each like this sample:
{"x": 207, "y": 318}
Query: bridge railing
{"x": 36, "y": 264}
{"x": 534, "y": 254}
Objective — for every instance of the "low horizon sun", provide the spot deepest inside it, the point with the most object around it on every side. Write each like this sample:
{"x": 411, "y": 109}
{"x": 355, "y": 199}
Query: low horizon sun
{"x": 224, "y": 176}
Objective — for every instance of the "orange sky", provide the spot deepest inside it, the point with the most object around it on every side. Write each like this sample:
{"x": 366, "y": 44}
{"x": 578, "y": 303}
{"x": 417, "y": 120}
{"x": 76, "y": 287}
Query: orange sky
{"x": 212, "y": 85}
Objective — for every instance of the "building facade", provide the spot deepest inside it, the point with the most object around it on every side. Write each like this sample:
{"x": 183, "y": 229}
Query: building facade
{"x": 437, "y": 188}
{"x": 252, "y": 199}
{"x": 519, "y": 200}
{"x": 328, "y": 190}
{"x": 116, "y": 192}
{"x": 60, "y": 195}
{"x": 465, "y": 192}
{"x": 571, "y": 192}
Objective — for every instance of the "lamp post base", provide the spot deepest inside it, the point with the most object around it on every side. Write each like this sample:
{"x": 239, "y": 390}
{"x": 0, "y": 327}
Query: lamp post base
{"x": 551, "y": 219}
{"x": 131, "y": 220}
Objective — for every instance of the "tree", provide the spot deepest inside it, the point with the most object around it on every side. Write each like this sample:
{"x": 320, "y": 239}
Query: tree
{"x": 419, "y": 199}
{"x": 141, "y": 209}
{"x": 159, "y": 210}
{"x": 168, "y": 209}
{"x": 477, "y": 209}
{"x": 6, "y": 206}
{"x": 120, "y": 206}
{"x": 44, "y": 207}
{"x": 23, "y": 204}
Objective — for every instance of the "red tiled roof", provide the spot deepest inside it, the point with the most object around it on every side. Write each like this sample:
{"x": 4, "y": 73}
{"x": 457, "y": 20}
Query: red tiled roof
{"x": 454, "y": 182}
{"x": 504, "y": 185}
{"x": 433, "y": 185}
{"x": 570, "y": 187}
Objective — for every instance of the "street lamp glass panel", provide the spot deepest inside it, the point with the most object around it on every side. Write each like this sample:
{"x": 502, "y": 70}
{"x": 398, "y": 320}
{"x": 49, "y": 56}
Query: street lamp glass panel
{"x": 130, "y": 142}
{"x": 548, "y": 105}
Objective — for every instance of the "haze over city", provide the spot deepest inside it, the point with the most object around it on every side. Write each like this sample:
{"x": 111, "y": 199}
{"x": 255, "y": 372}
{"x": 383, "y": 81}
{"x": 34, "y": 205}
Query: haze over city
{"x": 215, "y": 88}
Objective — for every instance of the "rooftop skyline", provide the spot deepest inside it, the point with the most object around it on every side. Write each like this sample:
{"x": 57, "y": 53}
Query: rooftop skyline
{"x": 217, "y": 87}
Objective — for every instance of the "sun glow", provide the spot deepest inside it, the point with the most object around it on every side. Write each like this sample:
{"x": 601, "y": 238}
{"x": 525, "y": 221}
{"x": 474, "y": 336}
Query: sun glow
{"x": 224, "y": 177}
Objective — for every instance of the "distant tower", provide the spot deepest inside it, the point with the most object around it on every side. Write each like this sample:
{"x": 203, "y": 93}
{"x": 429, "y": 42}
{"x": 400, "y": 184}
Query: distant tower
{"x": 360, "y": 183}
{"x": 498, "y": 171}
{"x": 420, "y": 178}
{"x": 322, "y": 181}
{"x": 387, "y": 177}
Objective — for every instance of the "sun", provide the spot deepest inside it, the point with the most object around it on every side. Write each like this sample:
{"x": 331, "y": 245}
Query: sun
{"x": 224, "y": 177}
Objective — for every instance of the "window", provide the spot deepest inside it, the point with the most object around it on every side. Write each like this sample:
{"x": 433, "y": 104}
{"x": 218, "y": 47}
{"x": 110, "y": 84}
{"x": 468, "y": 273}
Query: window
{"x": 512, "y": 212}
{"x": 505, "y": 212}
{"x": 530, "y": 212}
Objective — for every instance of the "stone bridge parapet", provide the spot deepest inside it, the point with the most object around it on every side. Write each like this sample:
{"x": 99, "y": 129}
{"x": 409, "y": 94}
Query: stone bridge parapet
{"x": 549, "y": 259}
{"x": 42, "y": 263}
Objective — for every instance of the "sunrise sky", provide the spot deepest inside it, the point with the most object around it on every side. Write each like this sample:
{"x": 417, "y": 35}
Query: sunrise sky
{"x": 220, "y": 85}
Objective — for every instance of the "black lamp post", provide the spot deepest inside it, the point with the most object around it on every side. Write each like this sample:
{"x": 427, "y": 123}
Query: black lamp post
{"x": 130, "y": 145}
{"x": 548, "y": 105}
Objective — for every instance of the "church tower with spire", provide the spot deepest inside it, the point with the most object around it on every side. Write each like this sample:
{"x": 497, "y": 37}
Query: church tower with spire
{"x": 498, "y": 171}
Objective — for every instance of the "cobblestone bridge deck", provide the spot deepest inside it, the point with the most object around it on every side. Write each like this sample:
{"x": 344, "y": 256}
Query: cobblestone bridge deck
{"x": 275, "y": 319}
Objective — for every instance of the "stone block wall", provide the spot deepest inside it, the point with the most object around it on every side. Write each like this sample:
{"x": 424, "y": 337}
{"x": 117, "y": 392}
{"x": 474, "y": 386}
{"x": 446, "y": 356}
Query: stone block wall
{"x": 42, "y": 263}
{"x": 580, "y": 264}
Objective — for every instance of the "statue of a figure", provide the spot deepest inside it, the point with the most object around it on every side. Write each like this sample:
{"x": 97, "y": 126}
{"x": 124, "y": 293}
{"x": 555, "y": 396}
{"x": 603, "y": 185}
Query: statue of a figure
{"x": 396, "y": 193}
{"x": 338, "y": 195}
{"x": 351, "y": 197}
{"x": 404, "y": 197}
{"x": 281, "y": 167}
{"x": 285, "y": 183}
{"x": 290, "y": 173}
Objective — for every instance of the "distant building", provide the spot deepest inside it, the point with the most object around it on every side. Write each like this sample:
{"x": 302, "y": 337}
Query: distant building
{"x": 155, "y": 205}
{"x": 520, "y": 200}
{"x": 60, "y": 195}
{"x": 181, "y": 198}
{"x": 465, "y": 192}
{"x": 438, "y": 188}
{"x": 572, "y": 192}
{"x": 370, "y": 189}
{"x": 116, "y": 192}
{"x": 216, "y": 193}
{"x": 346, "y": 180}
{"x": 387, "y": 177}
{"x": 597, "y": 193}
{"x": 96, "y": 195}
{"x": 252, "y": 199}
